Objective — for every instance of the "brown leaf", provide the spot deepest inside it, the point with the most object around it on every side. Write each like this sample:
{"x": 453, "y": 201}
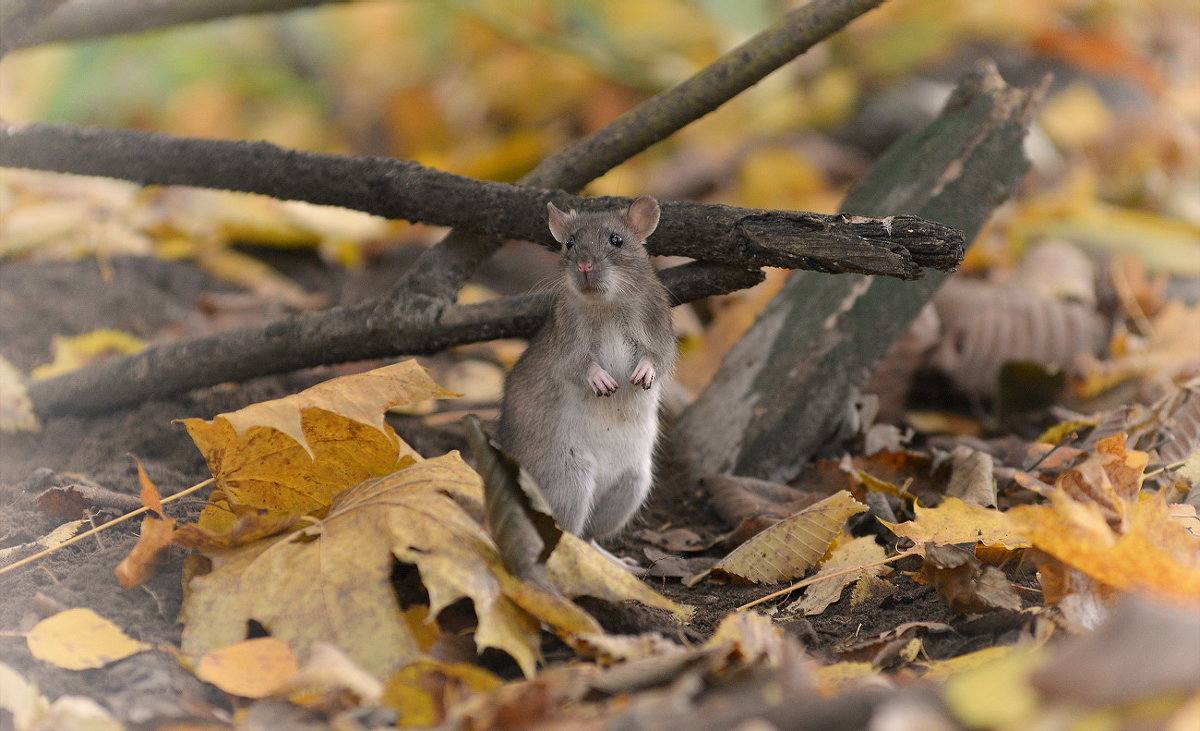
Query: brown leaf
{"x": 964, "y": 583}
{"x": 157, "y": 533}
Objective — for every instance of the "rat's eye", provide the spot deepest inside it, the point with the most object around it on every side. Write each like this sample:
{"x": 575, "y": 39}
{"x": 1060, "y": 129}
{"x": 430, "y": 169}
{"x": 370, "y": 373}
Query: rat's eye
{"x": 616, "y": 240}
{"x": 570, "y": 242}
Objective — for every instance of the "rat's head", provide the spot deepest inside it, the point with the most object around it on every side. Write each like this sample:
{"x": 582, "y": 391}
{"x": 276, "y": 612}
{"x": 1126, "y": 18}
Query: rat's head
{"x": 598, "y": 247}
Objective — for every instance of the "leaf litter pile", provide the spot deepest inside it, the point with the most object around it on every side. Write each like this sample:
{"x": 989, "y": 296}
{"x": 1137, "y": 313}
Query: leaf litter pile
{"x": 1009, "y": 540}
{"x": 334, "y": 572}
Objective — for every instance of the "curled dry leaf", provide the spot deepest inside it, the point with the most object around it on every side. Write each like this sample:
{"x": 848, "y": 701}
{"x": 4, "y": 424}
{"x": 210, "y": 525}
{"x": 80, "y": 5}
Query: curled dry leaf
{"x": 157, "y": 533}
{"x": 985, "y": 325}
{"x": 255, "y": 668}
{"x": 966, "y": 584}
{"x": 297, "y": 452}
{"x": 1154, "y": 553}
{"x": 789, "y": 548}
{"x": 80, "y": 639}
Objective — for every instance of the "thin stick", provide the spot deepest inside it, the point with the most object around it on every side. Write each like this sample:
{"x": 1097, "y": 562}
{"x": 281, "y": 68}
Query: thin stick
{"x": 816, "y": 579}
{"x": 41, "y": 554}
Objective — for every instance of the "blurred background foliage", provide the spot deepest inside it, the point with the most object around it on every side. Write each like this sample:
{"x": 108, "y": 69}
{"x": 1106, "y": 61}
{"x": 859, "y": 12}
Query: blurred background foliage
{"x": 486, "y": 88}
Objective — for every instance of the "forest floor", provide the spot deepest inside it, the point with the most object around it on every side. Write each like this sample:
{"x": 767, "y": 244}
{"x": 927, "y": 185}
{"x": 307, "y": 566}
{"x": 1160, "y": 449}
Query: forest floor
{"x": 156, "y": 299}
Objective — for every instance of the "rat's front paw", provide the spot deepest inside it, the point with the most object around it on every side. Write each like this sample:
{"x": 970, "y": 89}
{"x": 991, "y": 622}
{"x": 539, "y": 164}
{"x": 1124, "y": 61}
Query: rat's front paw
{"x": 643, "y": 374}
{"x": 602, "y": 383}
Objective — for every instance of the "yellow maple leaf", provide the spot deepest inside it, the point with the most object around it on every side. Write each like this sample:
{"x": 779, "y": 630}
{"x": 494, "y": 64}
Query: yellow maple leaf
{"x": 332, "y": 581}
{"x": 296, "y": 453}
{"x": 955, "y": 521}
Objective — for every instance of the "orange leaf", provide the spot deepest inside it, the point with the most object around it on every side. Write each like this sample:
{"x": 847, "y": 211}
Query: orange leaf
{"x": 251, "y": 669}
{"x": 1154, "y": 553}
{"x": 157, "y": 532}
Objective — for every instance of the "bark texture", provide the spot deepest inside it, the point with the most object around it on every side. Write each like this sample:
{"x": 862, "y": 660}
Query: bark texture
{"x": 784, "y": 389}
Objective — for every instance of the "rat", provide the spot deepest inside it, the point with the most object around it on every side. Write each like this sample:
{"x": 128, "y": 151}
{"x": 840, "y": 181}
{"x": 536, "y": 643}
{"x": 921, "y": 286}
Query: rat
{"x": 580, "y": 408}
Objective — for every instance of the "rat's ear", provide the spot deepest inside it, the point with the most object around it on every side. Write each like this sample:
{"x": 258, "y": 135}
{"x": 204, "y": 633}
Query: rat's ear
{"x": 560, "y": 223}
{"x": 642, "y": 216}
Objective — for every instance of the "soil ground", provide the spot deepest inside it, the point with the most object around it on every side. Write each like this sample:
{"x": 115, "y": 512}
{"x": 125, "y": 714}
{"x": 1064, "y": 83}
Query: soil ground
{"x": 154, "y": 299}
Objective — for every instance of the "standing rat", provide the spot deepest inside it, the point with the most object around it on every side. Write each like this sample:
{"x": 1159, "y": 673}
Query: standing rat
{"x": 580, "y": 410}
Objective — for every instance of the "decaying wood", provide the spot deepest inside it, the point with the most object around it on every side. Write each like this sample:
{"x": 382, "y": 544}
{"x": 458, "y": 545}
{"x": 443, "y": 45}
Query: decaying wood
{"x": 782, "y": 392}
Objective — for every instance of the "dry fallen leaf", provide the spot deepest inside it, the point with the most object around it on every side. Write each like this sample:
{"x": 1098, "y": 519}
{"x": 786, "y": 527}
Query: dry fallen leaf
{"x": 254, "y": 668}
{"x": 80, "y": 639}
{"x": 965, "y": 583}
{"x": 21, "y": 698}
{"x": 157, "y": 533}
{"x": 858, "y": 552}
{"x": 332, "y": 581}
{"x": 423, "y": 691}
{"x": 1110, "y": 477}
{"x": 295, "y": 453}
{"x": 955, "y": 521}
{"x": 77, "y": 351}
{"x": 789, "y": 548}
{"x": 577, "y": 569}
{"x": 1154, "y": 553}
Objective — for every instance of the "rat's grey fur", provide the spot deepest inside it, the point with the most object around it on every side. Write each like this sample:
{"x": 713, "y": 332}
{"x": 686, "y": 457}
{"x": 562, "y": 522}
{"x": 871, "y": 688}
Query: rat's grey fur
{"x": 591, "y": 454}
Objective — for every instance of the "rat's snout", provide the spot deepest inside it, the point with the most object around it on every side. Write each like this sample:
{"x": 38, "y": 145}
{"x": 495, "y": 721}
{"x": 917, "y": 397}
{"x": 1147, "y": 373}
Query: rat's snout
{"x": 585, "y": 267}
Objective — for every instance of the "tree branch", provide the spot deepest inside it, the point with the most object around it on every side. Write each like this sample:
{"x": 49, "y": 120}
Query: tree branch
{"x": 339, "y": 334}
{"x": 897, "y": 247}
{"x": 83, "y": 19}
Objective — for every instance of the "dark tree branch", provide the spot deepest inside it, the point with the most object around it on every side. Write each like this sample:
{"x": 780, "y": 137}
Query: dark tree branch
{"x": 897, "y": 247}
{"x": 79, "y": 20}
{"x": 335, "y": 335}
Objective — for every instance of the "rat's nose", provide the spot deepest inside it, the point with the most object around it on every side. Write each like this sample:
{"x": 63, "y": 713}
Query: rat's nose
{"x": 585, "y": 267}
